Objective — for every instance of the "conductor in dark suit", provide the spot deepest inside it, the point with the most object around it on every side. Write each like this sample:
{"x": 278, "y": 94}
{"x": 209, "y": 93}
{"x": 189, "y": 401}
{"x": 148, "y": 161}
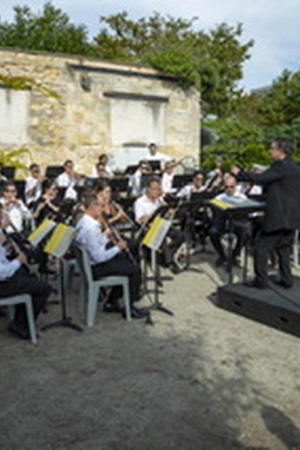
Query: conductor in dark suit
{"x": 281, "y": 183}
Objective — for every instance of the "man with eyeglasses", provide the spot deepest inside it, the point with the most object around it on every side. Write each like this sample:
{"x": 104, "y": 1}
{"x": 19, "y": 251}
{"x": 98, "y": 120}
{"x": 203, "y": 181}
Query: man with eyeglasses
{"x": 281, "y": 183}
{"x": 15, "y": 209}
{"x": 240, "y": 228}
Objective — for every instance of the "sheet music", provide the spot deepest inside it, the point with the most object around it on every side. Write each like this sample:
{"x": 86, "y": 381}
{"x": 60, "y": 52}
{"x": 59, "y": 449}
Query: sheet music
{"x": 60, "y": 240}
{"x": 41, "y": 232}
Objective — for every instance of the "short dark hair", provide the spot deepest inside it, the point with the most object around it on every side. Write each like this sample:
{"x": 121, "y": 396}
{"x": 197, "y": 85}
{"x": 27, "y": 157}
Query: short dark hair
{"x": 88, "y": 199}
{"x": 100, "y": 185}
{"x": 34, "y": 166}
{"x": 152, "y": 180}
{"x": 68, "y": 161}
{"x": 284, "y": 144}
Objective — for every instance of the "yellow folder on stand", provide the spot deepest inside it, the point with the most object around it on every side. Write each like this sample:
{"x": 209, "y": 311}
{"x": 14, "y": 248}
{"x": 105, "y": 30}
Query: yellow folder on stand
{"x": 60, "y": 240}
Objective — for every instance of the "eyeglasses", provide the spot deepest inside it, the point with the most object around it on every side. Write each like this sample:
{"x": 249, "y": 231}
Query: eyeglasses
{"x": 12, "y": 191}
{"x": 229, "y": 187}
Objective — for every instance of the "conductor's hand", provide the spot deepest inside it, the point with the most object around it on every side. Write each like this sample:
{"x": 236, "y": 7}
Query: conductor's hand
{"x": 122, "y": 245}
{"x": 22, "y": 258}
{"x": 235, "y": 170}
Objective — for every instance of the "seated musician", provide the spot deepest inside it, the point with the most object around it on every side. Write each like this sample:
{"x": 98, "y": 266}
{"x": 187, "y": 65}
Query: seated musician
{"x": 47, "y": 205}
{"x": 103, "y": 163}
{"x": 33, "y": 185}
{"x": 16, "y": 279}
{"x": 196, "y": 187}
{"x": 155, "y": 155}
{"x": 101, "y": 171}
{"x": 111, "y": 211}
{"x": 241, "y": 228}
{"x": 135, "y": 182}
{"x": 196, "y": 222}
{"x": 18, "y": 214}
{"x": 167, "y": 178}
{"x": 68, "y": 179}
{"x": 107, "y": 261}
{"x": 145, "y": 207}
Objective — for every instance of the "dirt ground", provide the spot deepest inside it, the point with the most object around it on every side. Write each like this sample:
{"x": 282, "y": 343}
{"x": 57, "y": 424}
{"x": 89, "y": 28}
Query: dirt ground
{"x": 201, "y": 379}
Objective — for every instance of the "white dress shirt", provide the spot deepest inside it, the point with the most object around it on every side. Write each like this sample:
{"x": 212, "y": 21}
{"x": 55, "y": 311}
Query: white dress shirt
{"x": 65, "y": 181}
{"x": 17, "y": 213}
{"x": 31, "y": 183}
{"x": 143, "y": 206}
{"x": 158, "y": 157}
{"x": 167, "y": 182}
{"x": 7, "y": 268}
{"x": 187, "y": 191}
{"x": 93, "y": 240}
{"x": 135, "y": 183}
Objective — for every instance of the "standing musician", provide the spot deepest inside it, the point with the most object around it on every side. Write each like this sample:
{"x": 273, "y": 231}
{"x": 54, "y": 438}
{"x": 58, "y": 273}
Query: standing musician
{"x": 145, "y": 207}
{"x": 155, "y": 155}
{"x": 281, "y": 183}
{"x": 240, "y": 228}
{"x": 16, "y": 279}
{"x": 33, "y": 185}
{"x": 68, "y": 179}
{"x": 16, "y": 210}
{"x": 107, "y": 261}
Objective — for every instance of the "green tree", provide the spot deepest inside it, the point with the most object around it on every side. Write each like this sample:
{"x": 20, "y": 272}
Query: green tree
{"x": 50, "y": 30}
{"x": 212, "y": 61}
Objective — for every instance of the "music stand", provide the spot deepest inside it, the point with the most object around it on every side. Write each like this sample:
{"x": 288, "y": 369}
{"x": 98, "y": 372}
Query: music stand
{"x": 155, "y": 165}
{"x": 179, "y": 181}
{"x": 9, "y": 172}
{"x": 57, "y": 246}
{"x": 119, "y": 184}
{"x": 130, "y": 170}
{"x": 53, "y": 172}
{"x": 153, "y": 240}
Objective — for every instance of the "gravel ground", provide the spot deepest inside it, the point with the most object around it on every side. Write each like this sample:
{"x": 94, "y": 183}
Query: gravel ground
{"x": 201, "y": 379}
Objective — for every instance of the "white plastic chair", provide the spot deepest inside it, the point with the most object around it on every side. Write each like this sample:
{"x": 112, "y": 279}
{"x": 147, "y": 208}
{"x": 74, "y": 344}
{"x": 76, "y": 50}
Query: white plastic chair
{"x": 92, "y": 286}
{"x": 27, "y": 300}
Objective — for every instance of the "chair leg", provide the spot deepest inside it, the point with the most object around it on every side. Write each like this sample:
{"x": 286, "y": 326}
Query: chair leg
{"x": 30, "y": 320}
{"x": 92, "y": 304}
{"x": 127, "y": 301}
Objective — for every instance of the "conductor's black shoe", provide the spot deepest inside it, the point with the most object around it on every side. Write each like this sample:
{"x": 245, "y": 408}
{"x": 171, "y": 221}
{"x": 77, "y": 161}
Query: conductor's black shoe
{"x": 21, "y": 332}
{"x": 256, "y": 284}
{"x": 283, "y": 284}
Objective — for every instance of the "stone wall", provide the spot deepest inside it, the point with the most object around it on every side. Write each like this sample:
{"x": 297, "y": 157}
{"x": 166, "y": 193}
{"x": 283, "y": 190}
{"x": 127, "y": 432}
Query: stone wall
{"x": 103, "y": 107}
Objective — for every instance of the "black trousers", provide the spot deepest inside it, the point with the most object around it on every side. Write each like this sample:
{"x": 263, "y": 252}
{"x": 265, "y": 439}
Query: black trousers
{"x": 23, "y": 282}
{"x": 242, "y": 231}
{"x": 120, "y": 265}
{"x": 176, "y": 239}
{"x": 281, "y": 242}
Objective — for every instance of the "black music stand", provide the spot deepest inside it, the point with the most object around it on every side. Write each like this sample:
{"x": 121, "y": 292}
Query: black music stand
{"x": 53, "y": 172}
{"x": 119, "y": 184}
{"x": 154, "y": 245}
{"x": 155, "y": 164}
{"x": 179, "y": 181}
{"x": 9, "y": 172}
{"x": 59, "y": 252}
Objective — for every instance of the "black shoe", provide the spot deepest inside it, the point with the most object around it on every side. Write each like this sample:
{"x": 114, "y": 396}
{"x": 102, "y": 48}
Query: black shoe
{"x": 256, "y": 284}
{"x": 283, "y": 284}
{"x": 174, "y": 268}
{"x": 19, "y": 331}
{"x": 136, "y": 313}
{"x": 220, "y": 262}
{"x": 111, "y": 308}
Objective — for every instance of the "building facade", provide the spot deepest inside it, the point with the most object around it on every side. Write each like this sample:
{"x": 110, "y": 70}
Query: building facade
{"x": 103, "y": 107}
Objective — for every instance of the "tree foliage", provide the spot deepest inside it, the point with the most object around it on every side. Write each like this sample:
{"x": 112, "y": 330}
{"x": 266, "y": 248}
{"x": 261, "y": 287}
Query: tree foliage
{"x": 49, "y": 30}
{"x": 210, "y": 61}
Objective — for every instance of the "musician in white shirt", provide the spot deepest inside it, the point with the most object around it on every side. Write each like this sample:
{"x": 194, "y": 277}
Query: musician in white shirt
{"x": 135, "y": 182}
{"x": 33, "y": 185}
{"x": 196, "y": 187}
{"x": 15, "y": 279}
{"x": 144, "y": 209}
{"x": 107, "y": 260}
{"x": 68, "y": 179}
{"x": 15, "y": 209}
{"x": 155, "y": 155}
{"x": 241, "y": 228}
{"x": 167, "y": 178}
